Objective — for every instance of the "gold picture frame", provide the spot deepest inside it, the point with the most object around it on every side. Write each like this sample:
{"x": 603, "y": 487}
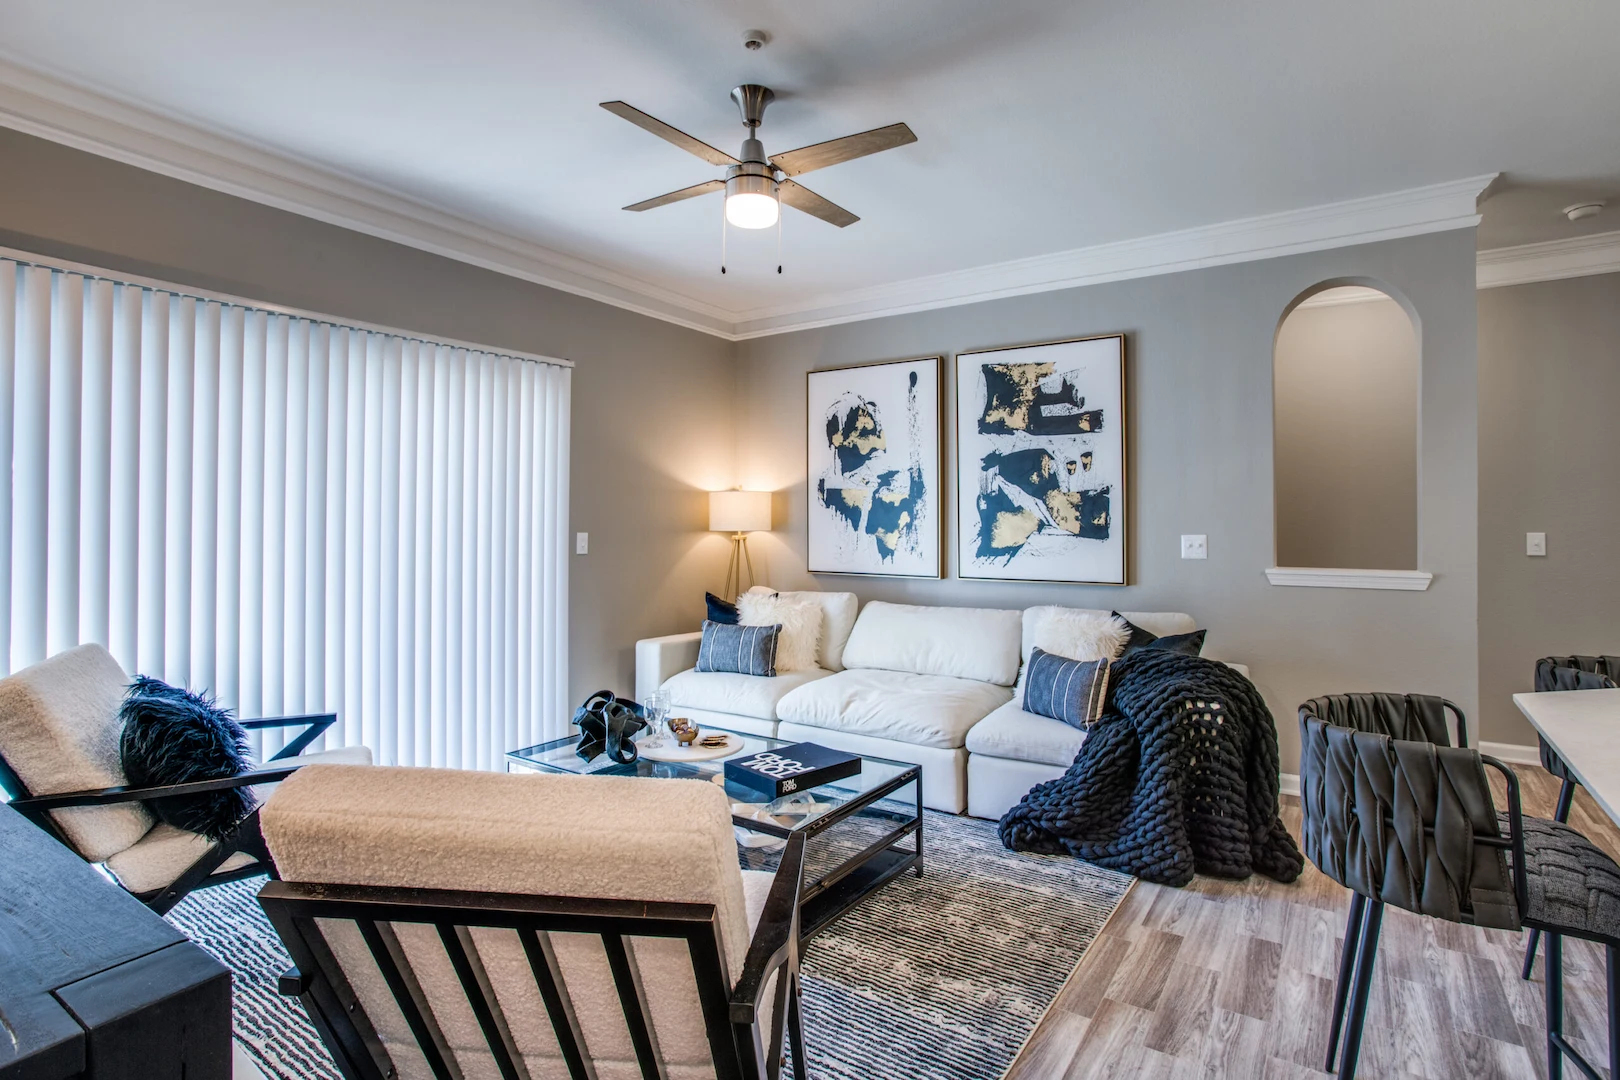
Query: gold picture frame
{"x": 839, "y": 541}
{"x": 1034, "y": 542}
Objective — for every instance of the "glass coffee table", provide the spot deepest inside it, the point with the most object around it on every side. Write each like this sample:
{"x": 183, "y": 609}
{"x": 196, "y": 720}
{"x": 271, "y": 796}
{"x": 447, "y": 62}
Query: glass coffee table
{"x": 853, "y": 828}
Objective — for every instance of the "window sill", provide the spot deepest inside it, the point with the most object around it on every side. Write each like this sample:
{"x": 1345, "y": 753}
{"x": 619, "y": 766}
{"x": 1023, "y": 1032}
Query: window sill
{"x": 1320, "y": 578}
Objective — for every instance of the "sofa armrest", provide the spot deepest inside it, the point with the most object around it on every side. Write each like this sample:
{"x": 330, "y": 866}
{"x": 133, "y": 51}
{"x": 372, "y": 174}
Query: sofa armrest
{"x": 1241, "y": 669}
{"x": 660, "y": 657}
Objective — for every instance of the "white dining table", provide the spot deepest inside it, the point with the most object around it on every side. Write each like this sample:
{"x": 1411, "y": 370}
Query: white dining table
{"x": 1584, "y": 727}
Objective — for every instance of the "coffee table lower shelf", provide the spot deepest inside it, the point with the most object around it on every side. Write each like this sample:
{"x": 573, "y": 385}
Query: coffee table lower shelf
{"x": 824, "y": 904}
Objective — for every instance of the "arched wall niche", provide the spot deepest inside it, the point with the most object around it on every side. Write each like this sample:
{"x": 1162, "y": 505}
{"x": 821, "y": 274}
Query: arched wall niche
{"x": 1346, "y": 378}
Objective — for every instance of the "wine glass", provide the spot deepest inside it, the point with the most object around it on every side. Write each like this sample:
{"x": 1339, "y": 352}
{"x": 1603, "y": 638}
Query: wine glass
{"x": 657, "y": 707}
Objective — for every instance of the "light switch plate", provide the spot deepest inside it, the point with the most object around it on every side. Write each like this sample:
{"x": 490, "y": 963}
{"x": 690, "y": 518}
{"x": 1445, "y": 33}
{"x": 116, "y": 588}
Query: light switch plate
{"x": 1535, "y": 543}
{"x": 1194, "y": 546}
{"x": 582, "y": 543}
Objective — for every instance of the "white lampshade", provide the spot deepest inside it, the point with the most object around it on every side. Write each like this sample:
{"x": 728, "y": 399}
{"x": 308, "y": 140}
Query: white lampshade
{"x": 739, "y": 511}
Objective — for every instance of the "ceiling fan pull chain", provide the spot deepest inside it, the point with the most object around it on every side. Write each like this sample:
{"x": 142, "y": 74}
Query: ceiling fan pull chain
{"x": 778, "y": 230}
{"x": 722, "y": 236}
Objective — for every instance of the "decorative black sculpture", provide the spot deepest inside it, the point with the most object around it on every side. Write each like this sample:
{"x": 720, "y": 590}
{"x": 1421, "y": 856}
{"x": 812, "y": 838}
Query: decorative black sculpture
{"x": 608, "y": 724}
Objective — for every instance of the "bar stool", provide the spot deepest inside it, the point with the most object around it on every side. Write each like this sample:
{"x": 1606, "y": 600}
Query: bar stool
{"x": 1566, "y": 673}
{"x": 1412, "y": 717}
{"x": 1413, "y": 824}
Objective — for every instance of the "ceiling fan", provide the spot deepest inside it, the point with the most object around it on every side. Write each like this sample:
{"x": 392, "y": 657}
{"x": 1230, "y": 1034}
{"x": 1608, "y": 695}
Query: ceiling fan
{"x": 755, "y": 185}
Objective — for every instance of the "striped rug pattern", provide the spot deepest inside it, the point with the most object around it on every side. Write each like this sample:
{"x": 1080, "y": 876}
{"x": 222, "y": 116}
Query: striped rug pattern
{"x": 941, "y": 977}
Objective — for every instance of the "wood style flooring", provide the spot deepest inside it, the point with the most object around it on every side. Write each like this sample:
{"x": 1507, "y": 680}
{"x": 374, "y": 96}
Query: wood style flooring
{"x": 1235, "y": 979}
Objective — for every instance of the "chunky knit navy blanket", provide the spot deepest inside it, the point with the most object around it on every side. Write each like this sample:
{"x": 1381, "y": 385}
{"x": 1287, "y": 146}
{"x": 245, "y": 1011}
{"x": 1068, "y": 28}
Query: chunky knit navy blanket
{"x": 1179, "y": 776}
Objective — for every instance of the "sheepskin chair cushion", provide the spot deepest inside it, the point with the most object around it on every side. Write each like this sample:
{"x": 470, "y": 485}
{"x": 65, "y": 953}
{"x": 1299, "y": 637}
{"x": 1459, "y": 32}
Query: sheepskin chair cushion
{"x": 59, "y": 733}
{"x": 173, "y": 736}
{"x": 610, "y": 837}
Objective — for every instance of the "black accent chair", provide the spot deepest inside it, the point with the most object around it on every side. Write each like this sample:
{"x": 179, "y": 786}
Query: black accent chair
{"x": 1414, "y": 824}
{"x": 1410, "y": 717}
{"x": 659, "y": 973}
{"x": 159, "y": 865}
{"x": 1566, "y": 673}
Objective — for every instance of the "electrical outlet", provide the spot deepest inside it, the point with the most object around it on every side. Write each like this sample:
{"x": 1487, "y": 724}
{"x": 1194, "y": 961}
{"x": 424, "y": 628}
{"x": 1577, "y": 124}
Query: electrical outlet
{"x": 582, "y": 543}
{"x": 1535, "y": 544}
{"x": 1194, "y": 546}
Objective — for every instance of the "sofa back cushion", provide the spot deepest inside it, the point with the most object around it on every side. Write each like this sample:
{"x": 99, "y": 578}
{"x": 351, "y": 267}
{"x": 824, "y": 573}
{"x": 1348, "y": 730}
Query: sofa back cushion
{"x": 838, "y": 611}
{"x": 967, "y": 643}
{"x": 59, "y": 729}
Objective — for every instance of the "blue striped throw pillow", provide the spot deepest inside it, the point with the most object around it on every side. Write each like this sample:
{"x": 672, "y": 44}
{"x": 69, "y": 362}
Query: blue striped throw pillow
{"x": 745, "y": 650}
{"x": 1069, "y": 690}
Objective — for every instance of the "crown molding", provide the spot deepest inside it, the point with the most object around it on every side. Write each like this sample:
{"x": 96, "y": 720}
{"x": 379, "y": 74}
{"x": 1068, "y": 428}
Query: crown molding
{"x": 1578, "y": 256}
{"x": 57, "y": 109}
{"x": 54, "y": 109}
{"x": 1434, "y": 208}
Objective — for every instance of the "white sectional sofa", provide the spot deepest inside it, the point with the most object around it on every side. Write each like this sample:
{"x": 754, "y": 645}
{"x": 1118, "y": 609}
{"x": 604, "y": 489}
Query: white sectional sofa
{"x": 935, "y": 686}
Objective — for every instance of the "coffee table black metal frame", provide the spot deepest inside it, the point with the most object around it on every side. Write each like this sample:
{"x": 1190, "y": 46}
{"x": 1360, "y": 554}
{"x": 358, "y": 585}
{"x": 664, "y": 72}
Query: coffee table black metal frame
{"x": 822, "y": 901}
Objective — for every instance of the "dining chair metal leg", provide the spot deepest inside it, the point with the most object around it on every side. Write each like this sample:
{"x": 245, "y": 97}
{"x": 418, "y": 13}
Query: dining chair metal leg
{"x": 1366, "y": 955}
{"x": 1531, "y": 941}
{"x": 1554, "y": 974}
{"x": 1610, "y": 960}
{"x": 1347, "y": 963}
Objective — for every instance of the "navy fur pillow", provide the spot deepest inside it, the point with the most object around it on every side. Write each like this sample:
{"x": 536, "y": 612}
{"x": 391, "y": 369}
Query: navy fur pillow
{"x": 720, "y": 611}
{"x": 172, "y": 736}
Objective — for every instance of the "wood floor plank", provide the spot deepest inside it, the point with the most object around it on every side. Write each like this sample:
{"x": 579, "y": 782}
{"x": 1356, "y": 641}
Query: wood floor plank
{"x": 1234, "y": 979}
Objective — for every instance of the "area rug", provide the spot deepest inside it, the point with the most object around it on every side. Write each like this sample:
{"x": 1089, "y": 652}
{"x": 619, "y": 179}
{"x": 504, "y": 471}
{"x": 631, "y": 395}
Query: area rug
{"x": 941, "y": 977}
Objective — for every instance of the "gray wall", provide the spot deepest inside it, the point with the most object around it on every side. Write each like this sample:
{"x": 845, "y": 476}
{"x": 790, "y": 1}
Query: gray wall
{"x": 1345, "y": 387}
{"x": 1549, "y": 442}
{"x": 1199, "y": 406}
{"x": 651, "y": 401}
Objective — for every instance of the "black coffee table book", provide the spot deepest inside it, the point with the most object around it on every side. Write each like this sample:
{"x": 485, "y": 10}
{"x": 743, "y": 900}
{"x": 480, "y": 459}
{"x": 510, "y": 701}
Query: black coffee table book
{"x": 789, "y": 769}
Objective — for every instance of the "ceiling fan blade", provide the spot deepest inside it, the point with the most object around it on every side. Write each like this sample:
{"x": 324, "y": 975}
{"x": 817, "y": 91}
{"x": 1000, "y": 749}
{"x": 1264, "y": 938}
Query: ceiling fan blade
{"x": 821, "y": 155}
{"x": 676, "y": 196}
{"x": 669, "y": 134}
{"x": 802, "y": 198}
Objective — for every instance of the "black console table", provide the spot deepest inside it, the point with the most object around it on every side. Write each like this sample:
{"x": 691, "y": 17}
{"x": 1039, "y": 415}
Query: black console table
{"x": 92, "y": 984}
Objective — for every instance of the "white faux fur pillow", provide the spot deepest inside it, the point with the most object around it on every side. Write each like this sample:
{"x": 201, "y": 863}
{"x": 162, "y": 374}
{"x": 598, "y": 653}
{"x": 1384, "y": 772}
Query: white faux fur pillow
{"x": 1077, "y": 635}
{"x": 799, "y": 645}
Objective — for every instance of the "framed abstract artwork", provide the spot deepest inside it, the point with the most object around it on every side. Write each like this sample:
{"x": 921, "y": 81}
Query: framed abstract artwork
{"x": 874, "y": 466}
{"x": 1040, "y": 462}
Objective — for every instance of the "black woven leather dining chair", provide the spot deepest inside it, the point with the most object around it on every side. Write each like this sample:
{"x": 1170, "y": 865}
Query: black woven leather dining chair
{"x": 1414, "y": 824}
{"x": 1566, "y": 673}
{"x": 1413, "y": 717}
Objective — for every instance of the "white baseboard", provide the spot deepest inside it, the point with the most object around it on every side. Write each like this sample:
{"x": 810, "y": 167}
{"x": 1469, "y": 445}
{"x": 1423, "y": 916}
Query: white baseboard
{"x": 1512, "y": 753}
{"x": 1290, "y": 783}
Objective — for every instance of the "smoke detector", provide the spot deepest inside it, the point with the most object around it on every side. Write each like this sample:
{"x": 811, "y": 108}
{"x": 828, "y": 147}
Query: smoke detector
{"x": 755, "y": 40}
{"x": 1583, "y": 210}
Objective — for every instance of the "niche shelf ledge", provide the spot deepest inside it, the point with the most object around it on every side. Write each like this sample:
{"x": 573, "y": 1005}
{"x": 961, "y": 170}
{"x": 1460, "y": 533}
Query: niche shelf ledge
{"x": 1312, "y": 577}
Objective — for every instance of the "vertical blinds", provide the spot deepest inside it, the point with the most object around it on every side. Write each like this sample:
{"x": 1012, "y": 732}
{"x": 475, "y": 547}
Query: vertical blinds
{"x": 295, "y": 515}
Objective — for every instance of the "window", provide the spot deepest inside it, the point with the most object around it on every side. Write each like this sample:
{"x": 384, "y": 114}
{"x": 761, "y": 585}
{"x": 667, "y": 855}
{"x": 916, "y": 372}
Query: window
{"x": 1345, "y": 383}
{"x": 295, "y": 514}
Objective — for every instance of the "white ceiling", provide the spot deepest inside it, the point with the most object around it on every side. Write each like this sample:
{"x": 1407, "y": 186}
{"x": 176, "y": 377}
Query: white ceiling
{"x": 1043, "y": 127}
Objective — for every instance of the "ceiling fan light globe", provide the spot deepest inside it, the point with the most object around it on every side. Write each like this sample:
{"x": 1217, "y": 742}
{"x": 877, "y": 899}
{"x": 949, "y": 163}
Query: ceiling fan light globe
{"x": 751, "y": 210}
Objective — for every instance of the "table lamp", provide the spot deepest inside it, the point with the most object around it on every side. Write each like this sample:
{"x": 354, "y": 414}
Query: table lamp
{"x": 739, "y": 513}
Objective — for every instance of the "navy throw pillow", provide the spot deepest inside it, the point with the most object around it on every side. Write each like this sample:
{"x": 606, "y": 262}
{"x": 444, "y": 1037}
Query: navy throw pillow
{"x": 1069, "y": 690}
{"x": 1186, "y": 644}
{"x": 721, "y": 611}
{"x": 744, "y": 650}
{"x": 172, "y": 736}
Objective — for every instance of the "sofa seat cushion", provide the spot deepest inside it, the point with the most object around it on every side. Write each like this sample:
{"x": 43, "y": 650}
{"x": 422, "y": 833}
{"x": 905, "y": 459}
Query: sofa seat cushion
{"x": 1010, "y": 732}
{"x": 926, "y": 710}
{"x": 742, "y": 695}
